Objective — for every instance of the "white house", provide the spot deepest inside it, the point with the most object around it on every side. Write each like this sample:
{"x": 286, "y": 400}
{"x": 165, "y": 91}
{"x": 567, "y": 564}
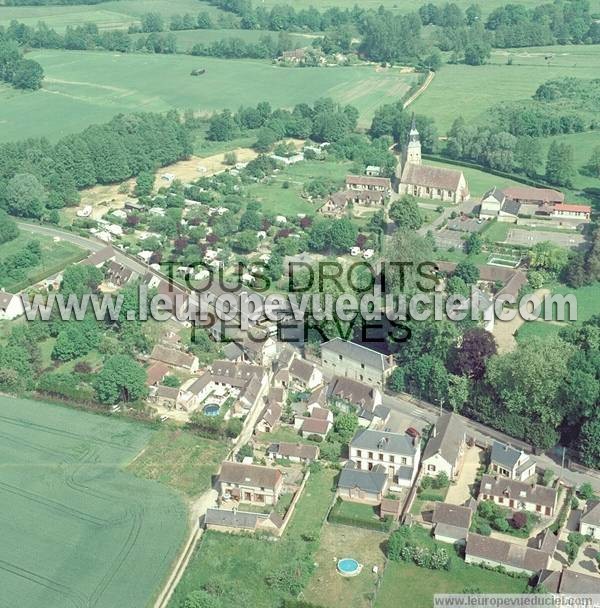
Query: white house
{"x": 510, "y": 462}
{"x": 305, "y": 375}
{"x": 590, "y": 520}
{"x": 445, "y": 449}
{"x": 11, "y": 306}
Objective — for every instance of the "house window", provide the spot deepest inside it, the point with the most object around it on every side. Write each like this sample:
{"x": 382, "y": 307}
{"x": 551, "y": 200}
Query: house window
{"x": 362, "y": 365}
{"x": 548, "y": 510}
{"x": 501, "y": 499}
{"x": 359, "y": 453}
{"x": 431, "y": 467}
{"x": 340, "y": 357}
{"x": 371, "y": 455}
{"x": 538, "y": 508}
{"x": 403, "y": 460}
{"x": 391, "y": 458}
{"x": 259, "y": 498}
{"x": 380, "y": 456}
{"x": 359, "y": 464}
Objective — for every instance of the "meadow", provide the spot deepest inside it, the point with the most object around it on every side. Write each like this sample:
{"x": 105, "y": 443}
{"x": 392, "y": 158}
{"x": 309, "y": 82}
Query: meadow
{"x": 78, "y": 529}
{"x": 118, "y": 14}
{"x": 240, "y": 564}
{"x": 55, "y": 256}
{"x": 84, "y": 87}
{"x": 468, "y": 91}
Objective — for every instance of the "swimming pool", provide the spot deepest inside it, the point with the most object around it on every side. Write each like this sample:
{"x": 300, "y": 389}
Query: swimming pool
{"x": 212, "y": 409}
{"x": 348, "y": 567}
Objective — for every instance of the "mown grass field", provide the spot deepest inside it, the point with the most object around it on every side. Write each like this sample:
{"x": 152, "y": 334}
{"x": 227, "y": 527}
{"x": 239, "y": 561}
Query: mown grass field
{"x": 462, "y": 90}
{"x": 118, "y": 14}
{"x": 84, "y": 87}
{"x": 241, "y": 564}
{"x": 78, "y": 530}
{"x": 408, "y": 586}
{"x": 55, "y": 256}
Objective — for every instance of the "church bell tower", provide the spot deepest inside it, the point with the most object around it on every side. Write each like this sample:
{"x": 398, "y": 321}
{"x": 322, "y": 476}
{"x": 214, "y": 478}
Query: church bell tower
{"x": 413, "y": 149}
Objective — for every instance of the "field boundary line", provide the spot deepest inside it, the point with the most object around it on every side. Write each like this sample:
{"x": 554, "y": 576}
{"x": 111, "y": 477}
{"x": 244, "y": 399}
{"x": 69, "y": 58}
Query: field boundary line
{"x": 420, "y": 90}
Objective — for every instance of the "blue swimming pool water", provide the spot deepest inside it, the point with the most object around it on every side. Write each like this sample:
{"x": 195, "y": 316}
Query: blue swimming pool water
{"x": 211, "y": 410}
{"x": 348, "y": 565}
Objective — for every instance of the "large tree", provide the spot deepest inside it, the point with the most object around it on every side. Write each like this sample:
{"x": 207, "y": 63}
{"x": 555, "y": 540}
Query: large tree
{"x": 470, "y": 358}
{"x": 560, "y": 169}
{"x": 25, "y": 196}
{"x": 121, "y": 379}
{"x": 406, "y": 213}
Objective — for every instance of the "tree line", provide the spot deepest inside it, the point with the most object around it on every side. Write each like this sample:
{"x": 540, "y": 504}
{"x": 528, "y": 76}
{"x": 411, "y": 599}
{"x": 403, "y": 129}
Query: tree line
{"x": 37, "y": 177}
{"x": 15, "y": 69}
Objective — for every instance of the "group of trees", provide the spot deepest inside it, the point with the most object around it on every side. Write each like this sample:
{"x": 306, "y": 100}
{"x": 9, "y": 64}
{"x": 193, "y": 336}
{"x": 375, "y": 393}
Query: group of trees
{"x": 267, "y": 47}
{"x": 37, "y": 177}
{"x": 324, "y": 121}
{"x": 584, "y": 268}
{"x": 14, "y": 69}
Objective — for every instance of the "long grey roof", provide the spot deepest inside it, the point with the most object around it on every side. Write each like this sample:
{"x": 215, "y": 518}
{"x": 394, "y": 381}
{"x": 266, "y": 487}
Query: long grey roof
{"x": 518, "y": 491}
{"x": 372, "y": 481}
{"x": 450, "y": 432}
{"x": 591, "y": 515}
{"x": 357, "y": 352}
{"x": 394, "y": 443}
{"x": 231, "y": 519}
{"x": 505, "y": 455}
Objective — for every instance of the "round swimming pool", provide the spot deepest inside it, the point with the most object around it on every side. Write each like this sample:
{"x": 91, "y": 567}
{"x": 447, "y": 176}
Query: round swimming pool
{"x": 212, "y": 409}
{"x": 348, "y": 567}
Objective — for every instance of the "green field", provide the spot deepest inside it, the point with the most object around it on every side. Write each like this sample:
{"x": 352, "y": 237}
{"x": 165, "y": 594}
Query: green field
{"x": 288, "y": 201}
{"x": 462, "y": 90}
{"x": 84, "y": 87}
{"x": 55, "y": 256}
{"x": 77, "y": 529}
{"x": 118, "y": 14}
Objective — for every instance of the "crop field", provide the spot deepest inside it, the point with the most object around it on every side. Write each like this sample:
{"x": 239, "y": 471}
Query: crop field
{"x": 77, "y": 530}
{"x": 55, "y": 256}
{"x": 83, "y": 88}
{"x": 462, "y": 90}
{"x": 118, "y": 14}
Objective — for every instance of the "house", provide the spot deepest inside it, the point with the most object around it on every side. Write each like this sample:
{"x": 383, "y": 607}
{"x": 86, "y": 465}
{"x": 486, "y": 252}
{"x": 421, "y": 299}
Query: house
{"x": 235, "y": 521}
{"x": 373, "y": 171}
{"x": 426, "y": 181}
{"x": 343, "y": 358}
{"x": 307, "y": 425}
{"x": 390, "y": 507}
{"x": 117, "y": 274}
{"x": 491, "y": 552}
{"x": 535, "y": 196}
{"x": 590, "y": 520}
{"x": 304, "y": 375}
{"x": 398, "y": 454}
{"x": 156, "y": 372}
{"x": 295, "y": 56}
{"x": 568, "y": 581}
{"x": 167, "y": 397}
{"x": 250, "y": 483}
{"x": 11, "y": 306}
{"x": 99, "y": 258}
{"x": 269, "y": 419}
{"x": 259, "y": 348}
{"x": 496, "y": 205}
{"x": 510, "y": 462}
{"x": 363, "y": 485}
{"x": 175, "y": 358}
{"x": 452, "y": 522}
{"x": 296, "y": 452}
{"x": 232, "y": 351}
{"x": 338, "y": 202}
{"x": 518, "y": 495}
{"x": 574, "y": 212}
{"x": 317, "y": 398}
{"x": 355, "y": 393}
{"x": 320, "y": 412}
{"x": 445, "y": 449}
{"x": 365, "y": 182}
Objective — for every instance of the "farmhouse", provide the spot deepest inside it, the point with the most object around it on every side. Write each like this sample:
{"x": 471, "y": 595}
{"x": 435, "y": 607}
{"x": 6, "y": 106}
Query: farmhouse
{"x": 366, "y": 182}
{"x": 339, "y": 202}
{"x": 452, "y": 522}
{"x": 296, "y": 452}
{"x": 510, "y": 462}
{"x": 568, "y": 581}
{"x": 175, "y": 358}
{"x": 363, "y": 485}
{"x": 515, "y": 558}
{"x": 426, "y": 181}
{"x": 156, "y": 372}
{"x": 11, "y": 306}
{"x": 445, "y": 449}
{"x": 590, "y": 520}
{"x": 250, "y": 483}
{"x": 398, "y": 454}
{"x": 518, "y": 495}
{"x": 535, "y": 196}
{"x": 495, "y": 204}
{"x": 343, "y": 358}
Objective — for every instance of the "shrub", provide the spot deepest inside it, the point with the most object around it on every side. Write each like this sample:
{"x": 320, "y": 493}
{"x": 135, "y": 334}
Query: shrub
{"x": 315, "y": 438}
{"x": 519, "y": 520}
{"x": 484, "y": 528}
{"x": 548, "y": 476}
{"x": 426, "y": 482}
{"x": 441, "y": 480}
{"x": 586, "y": 491}
{"x": 501, "y": 524}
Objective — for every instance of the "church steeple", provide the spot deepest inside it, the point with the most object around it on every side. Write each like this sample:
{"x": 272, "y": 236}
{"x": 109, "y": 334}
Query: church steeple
{"x": 413, "y": 149}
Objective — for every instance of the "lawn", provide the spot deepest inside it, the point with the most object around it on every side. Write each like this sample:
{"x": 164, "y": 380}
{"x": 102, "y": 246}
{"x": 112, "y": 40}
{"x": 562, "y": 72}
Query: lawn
{"x": 55, "y": 256}
{"x": 118, "y": 14}
{"x": 426, "y": 498}
{"x": 277, "y": 199}
{"x": 242, "y": 563}
{"x": 181, "y": 460}
{"x": 78, "y": 527}
{"x": 85, "y": 87}
{"x": 461, "y": 90}
{"x": 283, "y": 434}
{"x": 408, "y": 586}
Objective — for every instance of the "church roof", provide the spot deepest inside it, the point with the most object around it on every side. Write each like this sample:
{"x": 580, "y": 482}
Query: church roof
{"x": 433, "y": 177}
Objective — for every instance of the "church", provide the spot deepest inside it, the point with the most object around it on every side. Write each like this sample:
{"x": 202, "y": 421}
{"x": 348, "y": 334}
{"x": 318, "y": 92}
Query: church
{"x": 425, "y": 181}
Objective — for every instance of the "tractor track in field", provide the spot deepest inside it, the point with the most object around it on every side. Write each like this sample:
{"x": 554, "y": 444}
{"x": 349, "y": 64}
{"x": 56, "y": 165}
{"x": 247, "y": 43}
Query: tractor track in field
{"x": 75, "y": 598}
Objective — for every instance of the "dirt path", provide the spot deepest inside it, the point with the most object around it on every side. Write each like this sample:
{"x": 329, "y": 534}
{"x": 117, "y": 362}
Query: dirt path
{"x": 420, "y": 90}
{"x": 505, "y": 331}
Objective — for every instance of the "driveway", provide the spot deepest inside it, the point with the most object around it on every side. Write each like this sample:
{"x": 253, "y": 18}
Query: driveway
{"x": 460, "y": 492}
